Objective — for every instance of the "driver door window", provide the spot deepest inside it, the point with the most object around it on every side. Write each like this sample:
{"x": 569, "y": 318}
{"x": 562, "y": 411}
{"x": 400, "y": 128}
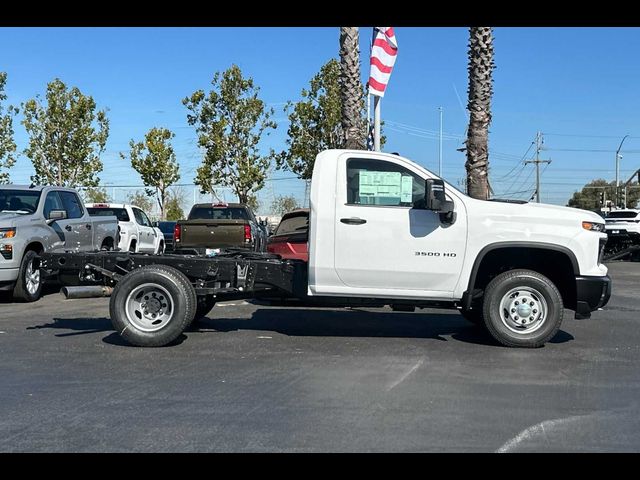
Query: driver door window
{"x": 379, "y": 183}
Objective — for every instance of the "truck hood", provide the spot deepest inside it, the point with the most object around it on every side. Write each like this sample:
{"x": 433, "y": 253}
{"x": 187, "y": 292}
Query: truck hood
{"x": 538, "y": 212}
{"x": 8, "y": 219}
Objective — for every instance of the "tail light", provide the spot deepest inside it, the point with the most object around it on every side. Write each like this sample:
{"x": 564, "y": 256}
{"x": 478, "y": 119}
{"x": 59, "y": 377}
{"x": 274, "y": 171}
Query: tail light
{"x": 247, "y": 234}
{"x": 177, "y": 233}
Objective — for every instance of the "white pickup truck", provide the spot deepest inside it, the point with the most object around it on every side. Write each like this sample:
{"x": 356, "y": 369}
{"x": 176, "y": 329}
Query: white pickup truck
{"x": 44, "y": 219}
{"x": 383, "y": 231}
{"x": 137, "y": 233}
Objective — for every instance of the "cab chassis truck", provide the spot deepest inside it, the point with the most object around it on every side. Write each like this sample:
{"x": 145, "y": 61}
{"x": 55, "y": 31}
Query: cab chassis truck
{"x": 383, "y": 231}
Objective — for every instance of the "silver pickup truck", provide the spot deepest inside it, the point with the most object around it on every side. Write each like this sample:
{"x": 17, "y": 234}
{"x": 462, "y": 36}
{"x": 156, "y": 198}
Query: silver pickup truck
{"x": 34, "y": 220}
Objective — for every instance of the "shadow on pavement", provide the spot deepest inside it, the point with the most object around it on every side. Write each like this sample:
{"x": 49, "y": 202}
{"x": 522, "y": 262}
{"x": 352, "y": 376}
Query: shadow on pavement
{"x": 6, "y": 296}
{"x": 117, "y": 340}
{"x": 358, "y": 323}
{"x": 313, "y": 323}
{"x": 78, "y": 326}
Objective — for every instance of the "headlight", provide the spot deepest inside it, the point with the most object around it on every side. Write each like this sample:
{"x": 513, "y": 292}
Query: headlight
{"x": 594, "y": 227}
{"x": 7, "y": 233}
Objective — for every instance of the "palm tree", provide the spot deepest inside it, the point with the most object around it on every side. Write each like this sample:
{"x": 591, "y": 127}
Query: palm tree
{"x": 480, "y": 91}
{"x": 351, "y": 89}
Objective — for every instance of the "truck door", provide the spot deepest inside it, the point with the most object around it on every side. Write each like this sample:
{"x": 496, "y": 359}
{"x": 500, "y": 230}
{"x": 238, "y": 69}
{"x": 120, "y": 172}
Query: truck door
{"x": 66, "y": 232}
{"x": 79, "y": 222}
{"x": 384, "y": 240}
{"x": 146, "y": 234}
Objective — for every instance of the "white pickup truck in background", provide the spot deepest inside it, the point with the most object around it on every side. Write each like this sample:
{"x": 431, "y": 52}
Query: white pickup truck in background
{"x": 382, "y": 231}
{"x": 34, "y": 220}
{"x": 137, "y": 233}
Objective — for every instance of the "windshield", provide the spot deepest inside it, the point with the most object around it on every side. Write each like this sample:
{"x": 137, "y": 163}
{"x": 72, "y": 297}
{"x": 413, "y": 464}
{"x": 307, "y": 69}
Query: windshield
{"x": 121, "y": 213}
{"x": 622, "y": 215}
{"x": 19, "y": 201}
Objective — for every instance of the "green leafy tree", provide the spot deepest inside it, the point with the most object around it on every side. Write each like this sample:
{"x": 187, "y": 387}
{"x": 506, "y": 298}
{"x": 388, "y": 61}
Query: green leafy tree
{"x": 7, "y": 144}
{"x": 155, "y": 161}
{"x": 174, "y": 205}
{"x": 230, "y": 121}
{"x": 284, "y": 204}
{"x": 96, "y": 195}
{"x": 315, "y": 122}
{"x": 140, "y": 199}
{"x": 66, "y": 137}
{"x": 589, "y": 197}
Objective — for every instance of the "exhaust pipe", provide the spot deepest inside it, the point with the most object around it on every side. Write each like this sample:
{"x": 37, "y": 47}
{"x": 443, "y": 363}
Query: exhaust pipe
{"x": 86, "y": 292}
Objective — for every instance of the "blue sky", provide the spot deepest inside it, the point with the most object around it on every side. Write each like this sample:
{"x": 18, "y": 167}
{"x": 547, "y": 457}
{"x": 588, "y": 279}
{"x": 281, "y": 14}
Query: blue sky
{"x": 579, "y": 86}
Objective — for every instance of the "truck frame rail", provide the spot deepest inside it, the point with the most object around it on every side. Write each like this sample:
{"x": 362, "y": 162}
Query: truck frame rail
{"x": 229, "y": 275}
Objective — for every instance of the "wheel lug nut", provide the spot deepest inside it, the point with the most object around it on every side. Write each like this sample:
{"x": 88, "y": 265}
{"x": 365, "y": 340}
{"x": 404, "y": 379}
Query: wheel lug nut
{"x": 535, "y": 311}
{"x": 513, "y": 310}
{"x": 524, "y": 321}
{"x": 517, "y": 303}
{"x": 515, "y": 318}
{"x": 531, "y": 319}
{"x": 532, "y": 304}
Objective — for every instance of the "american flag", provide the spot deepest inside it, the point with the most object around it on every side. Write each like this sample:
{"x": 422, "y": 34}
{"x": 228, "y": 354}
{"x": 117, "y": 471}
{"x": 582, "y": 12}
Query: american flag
{"x": 383, "y": 56}
{"x": 370, "y": 145}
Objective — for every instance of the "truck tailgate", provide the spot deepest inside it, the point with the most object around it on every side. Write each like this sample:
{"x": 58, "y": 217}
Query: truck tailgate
{"x": 205, "y": 233}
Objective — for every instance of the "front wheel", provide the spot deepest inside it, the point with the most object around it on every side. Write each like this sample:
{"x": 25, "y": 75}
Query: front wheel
{"x": 29, "y": 284}
{"x": 152, "y": 305}
{"x": 522, "y": 308}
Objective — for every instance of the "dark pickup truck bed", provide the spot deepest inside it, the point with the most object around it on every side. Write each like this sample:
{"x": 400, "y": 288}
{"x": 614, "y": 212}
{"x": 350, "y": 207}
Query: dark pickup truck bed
{"x": 213, "y": 226}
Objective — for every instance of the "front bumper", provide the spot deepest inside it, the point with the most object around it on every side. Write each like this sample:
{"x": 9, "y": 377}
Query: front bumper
{"x": 592, "y": 293}
{"x": 8, "y": 274}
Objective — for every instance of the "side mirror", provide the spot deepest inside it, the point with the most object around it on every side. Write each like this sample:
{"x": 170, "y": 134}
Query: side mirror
{"x": 435, "y": 199}
{"x": 56, "y": 215}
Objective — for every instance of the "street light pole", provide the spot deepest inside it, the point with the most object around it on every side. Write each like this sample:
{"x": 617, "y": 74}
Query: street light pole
{"x": 618, "y": 157}
{"x": 440, "y": 146}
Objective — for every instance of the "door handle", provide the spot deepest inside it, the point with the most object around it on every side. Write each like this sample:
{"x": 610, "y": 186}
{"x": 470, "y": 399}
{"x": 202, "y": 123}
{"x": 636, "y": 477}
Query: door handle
{"x": 88, "y": 225}
{"x": 353, "y": 221}
{"x": 68, "y": 228}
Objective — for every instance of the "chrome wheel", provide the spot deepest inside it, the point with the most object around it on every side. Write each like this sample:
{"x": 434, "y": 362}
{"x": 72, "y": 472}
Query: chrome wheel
{"x": 149, "y": 307}
{"x": 523, "y": 310}
{"x": 32, "y": 278}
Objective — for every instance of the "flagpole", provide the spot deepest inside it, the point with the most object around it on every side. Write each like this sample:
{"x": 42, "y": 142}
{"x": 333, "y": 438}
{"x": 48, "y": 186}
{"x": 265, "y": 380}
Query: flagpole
{"x": 376, "y": 123}
{"x": 368, "y": 111}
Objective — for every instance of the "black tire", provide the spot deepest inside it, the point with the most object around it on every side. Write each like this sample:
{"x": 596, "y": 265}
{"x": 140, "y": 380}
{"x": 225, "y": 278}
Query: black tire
{"x": 474, "y": 316}
{"x": 546, "y": 326}
{"x": 160, "y": 249}
{"x": 107, "y": 245}
{"x": 183, "y": 301}
{"x": 21, "y": 291}
{"x": 132, "y": 246}
{"x": 205, "y": 304}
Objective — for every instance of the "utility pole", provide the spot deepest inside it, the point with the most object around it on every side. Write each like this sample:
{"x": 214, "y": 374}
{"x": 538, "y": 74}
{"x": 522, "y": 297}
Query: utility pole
{"x": 618, "y": 157}
{"x": 440, "y": 146}
{"x": 537, "y": 163}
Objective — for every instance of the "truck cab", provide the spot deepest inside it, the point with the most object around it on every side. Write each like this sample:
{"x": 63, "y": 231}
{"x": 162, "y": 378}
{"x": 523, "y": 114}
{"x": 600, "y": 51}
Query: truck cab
{"x": 373, "y": 235}
{"x": 38, "y": 219}
{"x": 137, "y": 233}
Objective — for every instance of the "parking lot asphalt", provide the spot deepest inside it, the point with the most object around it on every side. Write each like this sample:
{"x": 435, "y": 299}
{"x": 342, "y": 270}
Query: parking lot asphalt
{"x": 254, "y": 378}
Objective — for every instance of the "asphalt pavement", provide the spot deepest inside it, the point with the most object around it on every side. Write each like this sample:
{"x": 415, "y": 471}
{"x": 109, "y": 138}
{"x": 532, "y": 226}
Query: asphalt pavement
{"x": 254, "y": 378}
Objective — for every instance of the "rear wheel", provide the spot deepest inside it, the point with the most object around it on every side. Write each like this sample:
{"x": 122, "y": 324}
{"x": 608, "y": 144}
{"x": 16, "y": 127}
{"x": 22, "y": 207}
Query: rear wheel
{"x": 29, "y": 284}
{"x": 522, "y": 308}
{"x": 152, "y": 306}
